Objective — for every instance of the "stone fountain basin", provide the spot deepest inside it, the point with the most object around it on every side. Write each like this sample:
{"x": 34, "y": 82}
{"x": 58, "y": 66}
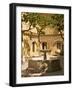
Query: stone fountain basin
{"x": 49, "y": 57}
{"x": 54, "y": 63}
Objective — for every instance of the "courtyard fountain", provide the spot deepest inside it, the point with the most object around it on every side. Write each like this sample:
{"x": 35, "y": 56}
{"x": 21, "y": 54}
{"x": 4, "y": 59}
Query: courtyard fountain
{"x": 45, "y": 51}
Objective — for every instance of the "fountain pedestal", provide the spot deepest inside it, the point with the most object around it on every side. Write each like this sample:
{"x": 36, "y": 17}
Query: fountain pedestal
{"x": 45, "y": 51}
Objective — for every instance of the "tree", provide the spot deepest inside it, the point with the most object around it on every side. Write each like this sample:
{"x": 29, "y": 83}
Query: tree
{"x": 41, "y": 20}
{"x": 57, "y": 21}
{"x": 35, "y": 20}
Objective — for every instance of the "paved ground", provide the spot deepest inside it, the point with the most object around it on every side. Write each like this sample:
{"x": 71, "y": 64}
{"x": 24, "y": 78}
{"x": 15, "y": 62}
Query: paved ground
{"x": 60, "y": 72}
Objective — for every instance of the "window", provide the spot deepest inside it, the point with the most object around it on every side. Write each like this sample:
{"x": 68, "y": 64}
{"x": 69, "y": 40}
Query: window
{"x": 33, "y": 46}
{"x": 58, "y": 45}
{"x": 44, "y": 45}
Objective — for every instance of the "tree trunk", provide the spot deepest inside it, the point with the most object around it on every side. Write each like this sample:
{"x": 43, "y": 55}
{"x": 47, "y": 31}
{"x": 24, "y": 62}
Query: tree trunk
{"x": 61, "y": 35}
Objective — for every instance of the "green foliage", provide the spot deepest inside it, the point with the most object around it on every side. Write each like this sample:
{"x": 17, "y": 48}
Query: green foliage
{"x": 58, "y": 21}
{"x": 43, "y": 20}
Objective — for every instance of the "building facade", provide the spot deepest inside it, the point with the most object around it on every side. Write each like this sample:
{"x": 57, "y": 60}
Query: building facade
{"x": 34, "y": 44}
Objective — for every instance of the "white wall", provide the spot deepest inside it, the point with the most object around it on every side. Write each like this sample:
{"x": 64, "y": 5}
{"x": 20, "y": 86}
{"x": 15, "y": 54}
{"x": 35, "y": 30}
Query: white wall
{"x": 4, "y": 44}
